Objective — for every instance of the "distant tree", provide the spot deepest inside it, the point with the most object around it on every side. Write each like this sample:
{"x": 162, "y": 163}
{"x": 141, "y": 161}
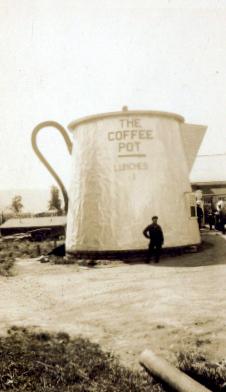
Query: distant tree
{"x": 55, "y": 201}
{"x": 2, "y": 218}
{"x": 16, "y": 205}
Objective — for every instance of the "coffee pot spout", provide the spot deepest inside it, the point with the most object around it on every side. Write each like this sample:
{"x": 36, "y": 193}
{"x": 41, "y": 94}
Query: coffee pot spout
{"x": 192, "y": 136}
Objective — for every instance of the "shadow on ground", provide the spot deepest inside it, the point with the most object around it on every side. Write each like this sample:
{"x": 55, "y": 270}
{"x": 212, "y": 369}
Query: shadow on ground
{"x": 212, "y": 251}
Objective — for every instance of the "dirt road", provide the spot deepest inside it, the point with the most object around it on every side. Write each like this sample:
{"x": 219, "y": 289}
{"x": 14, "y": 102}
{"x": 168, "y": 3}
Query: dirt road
{"x": 177, "y": 305}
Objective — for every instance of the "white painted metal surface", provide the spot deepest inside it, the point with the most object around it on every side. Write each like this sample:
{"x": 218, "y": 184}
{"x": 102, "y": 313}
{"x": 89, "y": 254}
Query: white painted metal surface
{"x": 128, "y": 166}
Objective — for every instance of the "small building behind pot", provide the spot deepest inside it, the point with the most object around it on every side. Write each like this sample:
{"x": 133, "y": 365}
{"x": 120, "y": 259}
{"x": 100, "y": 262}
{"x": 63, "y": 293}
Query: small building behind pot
{"x": 57, "y": 224}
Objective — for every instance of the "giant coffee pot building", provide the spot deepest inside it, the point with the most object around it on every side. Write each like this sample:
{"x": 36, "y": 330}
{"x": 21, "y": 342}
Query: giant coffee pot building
{"x": 127, "y": 167}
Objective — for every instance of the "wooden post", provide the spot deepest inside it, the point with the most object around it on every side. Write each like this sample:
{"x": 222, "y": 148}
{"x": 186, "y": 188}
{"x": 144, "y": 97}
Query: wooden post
{"x": 170, "y": 375}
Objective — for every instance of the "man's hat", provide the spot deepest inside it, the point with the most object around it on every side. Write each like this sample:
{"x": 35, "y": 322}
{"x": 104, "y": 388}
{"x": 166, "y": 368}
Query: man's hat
{"x": 154, "y": 217}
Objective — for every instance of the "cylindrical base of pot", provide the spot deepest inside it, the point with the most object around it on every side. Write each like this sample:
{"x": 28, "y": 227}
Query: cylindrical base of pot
{"x": 129, "y": 255}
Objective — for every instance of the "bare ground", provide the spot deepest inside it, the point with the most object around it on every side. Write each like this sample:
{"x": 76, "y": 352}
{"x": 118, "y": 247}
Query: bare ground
{"x": 177, "y": 305}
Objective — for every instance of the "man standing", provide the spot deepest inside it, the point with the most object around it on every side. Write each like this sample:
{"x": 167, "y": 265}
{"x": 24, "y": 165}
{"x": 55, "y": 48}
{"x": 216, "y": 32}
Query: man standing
{"x": 154, "y": 233}
{"x": 199, "y": 215}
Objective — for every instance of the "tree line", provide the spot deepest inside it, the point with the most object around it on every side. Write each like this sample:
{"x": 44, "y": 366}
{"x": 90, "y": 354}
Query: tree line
{"x": 54, "y": 202}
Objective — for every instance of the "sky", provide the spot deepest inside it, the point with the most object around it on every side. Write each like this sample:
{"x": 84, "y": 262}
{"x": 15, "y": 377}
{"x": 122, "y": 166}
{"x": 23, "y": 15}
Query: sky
{"x": 62, "y": 60}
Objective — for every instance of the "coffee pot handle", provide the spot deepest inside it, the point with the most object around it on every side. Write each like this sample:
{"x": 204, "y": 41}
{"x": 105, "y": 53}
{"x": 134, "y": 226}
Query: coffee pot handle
{"x": 42, "y": 158}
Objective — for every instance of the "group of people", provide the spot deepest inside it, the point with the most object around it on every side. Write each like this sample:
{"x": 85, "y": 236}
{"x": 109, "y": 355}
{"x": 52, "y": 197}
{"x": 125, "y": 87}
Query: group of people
{"x": 216, "y": 218}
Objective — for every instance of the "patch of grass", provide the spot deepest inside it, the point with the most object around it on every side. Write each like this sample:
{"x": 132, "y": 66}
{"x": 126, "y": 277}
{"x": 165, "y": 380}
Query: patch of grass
{"x": 210, "y": 374}
{"x": 9, "y": 250}
{"x": 6, "y": 264}
{"x": 53, "y": 362}
{"x": 47, "y": 362}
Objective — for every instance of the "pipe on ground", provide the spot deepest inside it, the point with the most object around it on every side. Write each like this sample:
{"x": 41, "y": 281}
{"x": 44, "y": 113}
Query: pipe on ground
{"x": 170, "y": 375}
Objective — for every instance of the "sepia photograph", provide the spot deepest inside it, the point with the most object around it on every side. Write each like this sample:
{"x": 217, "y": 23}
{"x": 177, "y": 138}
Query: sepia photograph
{"x": 113, "y": 196}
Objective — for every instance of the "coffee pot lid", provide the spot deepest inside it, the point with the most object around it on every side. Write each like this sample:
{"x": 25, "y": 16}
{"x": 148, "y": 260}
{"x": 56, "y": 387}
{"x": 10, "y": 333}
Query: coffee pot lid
{"x": 124, "y": 112}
